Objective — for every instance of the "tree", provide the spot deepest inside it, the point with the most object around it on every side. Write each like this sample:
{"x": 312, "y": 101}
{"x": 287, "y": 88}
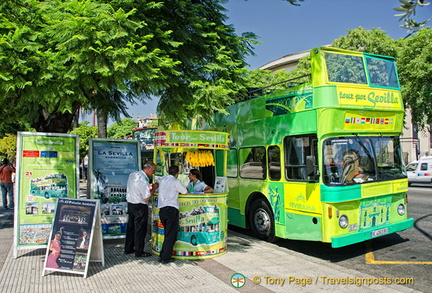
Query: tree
{"x": 60, "y": 55}
{"x": 121, "y": 128}
{"x": 415, "y": 72}
{"x": 8, "y": 146}
{"x": 408, "y": 9}
{"x": 85, "y": 132}
{"x": 374, "y": 41}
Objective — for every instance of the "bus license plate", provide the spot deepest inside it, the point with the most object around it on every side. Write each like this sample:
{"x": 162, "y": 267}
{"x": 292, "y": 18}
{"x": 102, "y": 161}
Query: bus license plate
{"x": 379, "y": 232}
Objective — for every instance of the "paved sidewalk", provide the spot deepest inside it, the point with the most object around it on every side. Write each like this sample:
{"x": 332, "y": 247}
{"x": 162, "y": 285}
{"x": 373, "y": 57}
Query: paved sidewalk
{"x": 262, "y": 262}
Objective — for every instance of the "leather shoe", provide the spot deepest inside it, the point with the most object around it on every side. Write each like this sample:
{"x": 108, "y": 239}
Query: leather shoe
{"x": 129, "y": 252}
{"x": 168, "y": 261}
{"x": 144, "y": 254}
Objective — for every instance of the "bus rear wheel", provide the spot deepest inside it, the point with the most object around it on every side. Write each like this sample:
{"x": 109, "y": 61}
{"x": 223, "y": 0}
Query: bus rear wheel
{"x": 261, "y": 221}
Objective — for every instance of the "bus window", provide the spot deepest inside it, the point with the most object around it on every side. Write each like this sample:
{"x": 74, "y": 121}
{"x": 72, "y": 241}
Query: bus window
{"x": 389, "y": 159}
{"x": 299, "y": 149}
{"x": 252, "y": 162}
{"x": 382, "y": 72}
{"x": 345, "y": 68}
{"x": 232, "y": 163}
{"x": 357, "y": 160}
{"x": 274, "y": 165}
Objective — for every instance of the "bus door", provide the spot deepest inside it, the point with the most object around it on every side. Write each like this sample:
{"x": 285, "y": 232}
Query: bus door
{"x": 302, "y": 199}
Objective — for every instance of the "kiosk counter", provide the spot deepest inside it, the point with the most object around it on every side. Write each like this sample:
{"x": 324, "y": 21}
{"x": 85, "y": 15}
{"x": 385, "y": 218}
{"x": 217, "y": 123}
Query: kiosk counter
{"x": 203, "y": 217}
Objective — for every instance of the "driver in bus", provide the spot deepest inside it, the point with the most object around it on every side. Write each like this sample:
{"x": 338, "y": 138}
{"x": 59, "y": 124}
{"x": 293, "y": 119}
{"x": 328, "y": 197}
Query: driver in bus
{"x": 196, "y": 186}
{"x": 352, "y": 172}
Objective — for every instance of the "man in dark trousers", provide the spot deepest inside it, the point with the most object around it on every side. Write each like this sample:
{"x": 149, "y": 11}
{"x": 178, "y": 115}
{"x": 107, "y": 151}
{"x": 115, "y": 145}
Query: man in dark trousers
{"x": 169, "y": 189}
{"x": 139, "y": 192}
{"x": 6, "y": 171}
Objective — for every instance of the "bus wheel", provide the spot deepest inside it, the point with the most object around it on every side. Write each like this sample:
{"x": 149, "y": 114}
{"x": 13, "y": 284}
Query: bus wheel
{"x": 194, "y": 241}
{"x": 47, "y": 196}
{"x": 261, "y": 221}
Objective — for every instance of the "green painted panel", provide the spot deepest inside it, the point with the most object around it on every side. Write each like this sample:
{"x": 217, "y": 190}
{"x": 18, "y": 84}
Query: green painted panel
{"x": 367, "y": 234}
{"x": 303, "y": 227}
{"x": 340, "y": 193}
{"x": 235, "y": 218}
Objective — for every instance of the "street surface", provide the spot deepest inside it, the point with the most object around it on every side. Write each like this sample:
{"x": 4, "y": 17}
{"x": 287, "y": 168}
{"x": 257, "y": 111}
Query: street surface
{"x": 407, "y": 254}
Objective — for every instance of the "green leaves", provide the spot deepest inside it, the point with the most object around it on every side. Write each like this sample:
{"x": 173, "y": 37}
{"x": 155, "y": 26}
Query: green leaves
{"x": 60, "y": 55}
{"x": 408, "y": 9}
{"x": 415, "y": 72}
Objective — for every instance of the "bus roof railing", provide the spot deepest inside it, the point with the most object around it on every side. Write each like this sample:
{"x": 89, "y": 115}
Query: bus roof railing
{"x": 257, "y": 92}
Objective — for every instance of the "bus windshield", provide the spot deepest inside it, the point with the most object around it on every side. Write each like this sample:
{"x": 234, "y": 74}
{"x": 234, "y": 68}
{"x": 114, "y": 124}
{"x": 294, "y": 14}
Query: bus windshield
{"x": 355, "y": 160}
{"x": 145, "y": 136}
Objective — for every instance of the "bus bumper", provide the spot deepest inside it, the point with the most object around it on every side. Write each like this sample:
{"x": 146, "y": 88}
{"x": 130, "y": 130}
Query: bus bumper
{"x": 364, "y": 235}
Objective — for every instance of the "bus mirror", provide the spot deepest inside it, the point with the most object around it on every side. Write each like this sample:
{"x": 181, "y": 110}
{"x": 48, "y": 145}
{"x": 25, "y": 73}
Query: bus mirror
{"x": 310, "y": 165}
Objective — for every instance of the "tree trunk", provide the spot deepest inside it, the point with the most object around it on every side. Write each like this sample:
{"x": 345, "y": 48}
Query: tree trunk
{"x": 54, "y": 122}
{"x": 76, "y": 119}
{"x": 102, "y": 119}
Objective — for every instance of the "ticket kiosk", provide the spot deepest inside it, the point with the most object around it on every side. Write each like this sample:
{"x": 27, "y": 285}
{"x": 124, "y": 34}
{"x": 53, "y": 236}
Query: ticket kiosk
{"x": 203, "y": 216}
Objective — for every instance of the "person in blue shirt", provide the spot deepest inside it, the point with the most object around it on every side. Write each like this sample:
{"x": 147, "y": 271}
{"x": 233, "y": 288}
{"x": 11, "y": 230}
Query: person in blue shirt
{"x": 196, "y": 186}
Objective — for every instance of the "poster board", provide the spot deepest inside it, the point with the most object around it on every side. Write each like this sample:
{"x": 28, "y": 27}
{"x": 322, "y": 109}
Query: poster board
{"x": 47, "y": 169}
{"x": 76, "y": 237}
{"x": 110, "y": 163}
{"x": 221, "y": 185}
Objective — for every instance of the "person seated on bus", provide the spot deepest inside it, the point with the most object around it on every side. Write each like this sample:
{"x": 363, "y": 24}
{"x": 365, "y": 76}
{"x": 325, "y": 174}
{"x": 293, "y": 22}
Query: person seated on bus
{"x": 352, "y": 172}
{"x": 196, "y": 186}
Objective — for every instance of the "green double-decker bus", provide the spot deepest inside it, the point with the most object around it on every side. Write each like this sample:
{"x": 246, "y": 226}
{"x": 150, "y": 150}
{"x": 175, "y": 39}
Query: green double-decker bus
{"x": 322, "y": 160}
{"x": 50, "y": 186}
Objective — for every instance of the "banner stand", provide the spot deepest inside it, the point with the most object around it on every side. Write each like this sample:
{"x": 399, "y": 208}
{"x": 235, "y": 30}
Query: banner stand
{"x": 47, "y": 169}
{"x": 76, "y": 237}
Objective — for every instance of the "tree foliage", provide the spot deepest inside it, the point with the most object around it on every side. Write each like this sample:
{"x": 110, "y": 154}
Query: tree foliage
{"x": 415, "y": 72}
{"x": 85, "y": 132}
{"x": 121, "y": 128}
{"x": 8, "y": 146}
{"x": 374, "y": 41}
{"x": 60, "y": 55}
{"x": 408, "y": 11}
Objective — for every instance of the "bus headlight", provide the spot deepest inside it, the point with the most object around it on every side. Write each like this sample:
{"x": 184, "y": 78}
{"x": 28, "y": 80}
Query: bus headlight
{"x": 343, "y": 221}
{"x": 401, "y": 210}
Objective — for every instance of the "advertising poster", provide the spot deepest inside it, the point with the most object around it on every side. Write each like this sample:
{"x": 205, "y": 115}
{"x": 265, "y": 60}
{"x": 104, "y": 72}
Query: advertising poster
{"x": 72, "y": 236}
{"x": 110, "y": 163}
{"x": 203, "y": 227}
{"x": 47, "y": 169}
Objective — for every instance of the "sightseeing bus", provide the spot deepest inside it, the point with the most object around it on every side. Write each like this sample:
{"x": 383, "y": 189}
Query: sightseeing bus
{"x": 145, "y": 136}
{"x": 321, "y": 160}
{"x": 202, "y": 225}
{"x": 50, "y": 186}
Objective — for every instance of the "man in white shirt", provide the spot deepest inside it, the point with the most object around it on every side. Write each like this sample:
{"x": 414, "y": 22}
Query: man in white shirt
{"x": 169, "y": 189}
{"x": 139, "y": 192}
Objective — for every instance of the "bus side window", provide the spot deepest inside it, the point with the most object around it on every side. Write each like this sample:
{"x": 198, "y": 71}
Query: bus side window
{"x": 297, "y": 151}
{"x": 253, "y": 163}
{"x": 274, "y": 165}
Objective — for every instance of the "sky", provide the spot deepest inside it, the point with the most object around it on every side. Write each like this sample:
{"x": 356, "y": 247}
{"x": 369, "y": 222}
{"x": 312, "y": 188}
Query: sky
{"x": 286, "y": 29}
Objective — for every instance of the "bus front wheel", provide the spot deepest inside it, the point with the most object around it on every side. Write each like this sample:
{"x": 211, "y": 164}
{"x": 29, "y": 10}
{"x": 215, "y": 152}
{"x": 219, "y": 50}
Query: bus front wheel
{"x": 261, "y": 221}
